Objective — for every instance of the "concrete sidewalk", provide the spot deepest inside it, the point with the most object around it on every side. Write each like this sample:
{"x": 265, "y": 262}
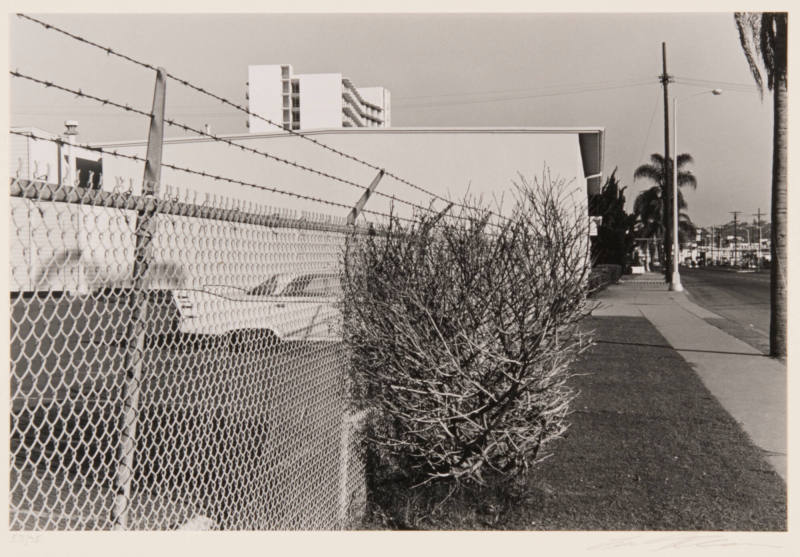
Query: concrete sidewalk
{"x": 749, "y": 385}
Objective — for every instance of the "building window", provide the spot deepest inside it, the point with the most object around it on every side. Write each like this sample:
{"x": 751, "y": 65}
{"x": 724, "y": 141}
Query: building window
{"x": 90, "y": 172}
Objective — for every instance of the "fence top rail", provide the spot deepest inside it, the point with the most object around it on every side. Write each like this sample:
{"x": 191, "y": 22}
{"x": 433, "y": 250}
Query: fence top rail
{"x": 44, "y": 191}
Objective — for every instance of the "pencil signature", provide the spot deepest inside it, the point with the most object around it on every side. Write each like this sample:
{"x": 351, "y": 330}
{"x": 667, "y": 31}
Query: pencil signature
{"x": 25, "y": 538}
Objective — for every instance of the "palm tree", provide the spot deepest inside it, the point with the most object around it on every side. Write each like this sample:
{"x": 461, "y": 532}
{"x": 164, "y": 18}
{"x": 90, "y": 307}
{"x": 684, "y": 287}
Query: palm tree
{"x": 649, "y": 204}
{"x": 764, "y": 35}
{"x": 649, "y": 211}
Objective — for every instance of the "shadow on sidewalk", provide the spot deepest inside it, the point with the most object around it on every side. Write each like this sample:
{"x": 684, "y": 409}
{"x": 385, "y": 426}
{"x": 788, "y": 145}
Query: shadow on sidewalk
{"x": 623, "y": 343}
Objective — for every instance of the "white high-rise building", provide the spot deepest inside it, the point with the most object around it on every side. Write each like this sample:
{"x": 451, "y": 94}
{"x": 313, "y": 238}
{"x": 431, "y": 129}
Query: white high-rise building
{"x": 312, "y": 101}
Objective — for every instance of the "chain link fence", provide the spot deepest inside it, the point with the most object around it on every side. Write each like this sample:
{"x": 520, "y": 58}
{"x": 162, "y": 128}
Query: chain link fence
{"x": 213, "y": 394}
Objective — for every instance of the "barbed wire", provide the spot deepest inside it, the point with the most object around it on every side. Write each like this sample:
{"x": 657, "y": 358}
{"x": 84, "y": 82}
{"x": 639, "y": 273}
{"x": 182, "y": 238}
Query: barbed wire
{"x": 262, "y": 187}
{"x": 78, "y": 38}
{"x": 185, "y": 127}
{"x": 79, "y": 93}
{"x": 197, "y": 88}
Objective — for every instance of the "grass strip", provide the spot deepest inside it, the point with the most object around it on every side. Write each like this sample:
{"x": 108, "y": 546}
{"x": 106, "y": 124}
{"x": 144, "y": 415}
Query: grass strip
{"x": 649, "y": 448}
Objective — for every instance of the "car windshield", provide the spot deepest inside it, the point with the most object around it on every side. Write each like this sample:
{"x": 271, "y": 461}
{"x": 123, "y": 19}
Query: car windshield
{"x": 313, "y": 286}
{"x": 266, "y": 288}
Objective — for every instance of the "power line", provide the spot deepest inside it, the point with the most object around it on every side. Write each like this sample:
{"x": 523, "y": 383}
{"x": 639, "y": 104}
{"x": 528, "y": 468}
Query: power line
{"x": 197, "y": 110}
{"x": 529, "y": 89}
{"x": 708, "y": 84}
{"x": 718, "y": 82}
{"x": 525, "y": 97}
{"x": 650, "y": 125}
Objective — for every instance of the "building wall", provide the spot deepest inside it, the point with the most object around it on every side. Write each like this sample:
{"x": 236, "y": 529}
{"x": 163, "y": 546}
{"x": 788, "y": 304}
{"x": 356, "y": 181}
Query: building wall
{"x": 450, "y": 162}
{"x": 18, "y": 156}
{"x": 265, "y": 97}
{"x": 33, "y": 160}
{"x": 320, "y": 100}
{"x": 381, "y": 97}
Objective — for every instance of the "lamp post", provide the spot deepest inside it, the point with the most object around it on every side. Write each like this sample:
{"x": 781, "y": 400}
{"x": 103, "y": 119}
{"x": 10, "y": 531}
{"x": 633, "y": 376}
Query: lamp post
{"x": 675, "y": 282}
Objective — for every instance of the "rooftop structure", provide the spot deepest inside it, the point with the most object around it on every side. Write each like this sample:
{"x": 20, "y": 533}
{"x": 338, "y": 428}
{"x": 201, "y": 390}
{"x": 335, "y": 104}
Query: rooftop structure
{"x": 51, "y": 161}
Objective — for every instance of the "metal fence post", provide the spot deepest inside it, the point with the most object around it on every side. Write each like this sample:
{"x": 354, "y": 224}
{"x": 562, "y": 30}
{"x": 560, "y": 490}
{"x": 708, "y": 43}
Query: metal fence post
{"x": 354, "y": 212}
{"x": 440, "y": 215}
{"x": 145, "y": 230}
{"x": 349, "y": 419}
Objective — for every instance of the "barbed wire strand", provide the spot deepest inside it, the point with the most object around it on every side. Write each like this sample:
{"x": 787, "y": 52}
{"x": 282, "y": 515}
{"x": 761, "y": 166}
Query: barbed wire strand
{"x": 79, "y": 93}
{"x": 185, "y": 127}
{"x": 262, "y": 187}
{"x": 186, "y": 83}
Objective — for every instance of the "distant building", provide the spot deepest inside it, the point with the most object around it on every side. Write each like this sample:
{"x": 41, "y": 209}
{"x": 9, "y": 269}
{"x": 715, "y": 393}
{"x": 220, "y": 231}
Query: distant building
{"x": 48, "y": 160}
{"x": 312, "y": 101}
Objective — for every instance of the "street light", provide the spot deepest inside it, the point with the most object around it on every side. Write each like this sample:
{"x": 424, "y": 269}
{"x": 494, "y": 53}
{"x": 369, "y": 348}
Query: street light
{"x": 675, "y": 284}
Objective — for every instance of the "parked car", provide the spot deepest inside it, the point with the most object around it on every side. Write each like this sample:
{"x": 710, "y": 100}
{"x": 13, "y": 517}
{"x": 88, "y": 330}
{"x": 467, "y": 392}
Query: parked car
{"x": 300, "y": 307}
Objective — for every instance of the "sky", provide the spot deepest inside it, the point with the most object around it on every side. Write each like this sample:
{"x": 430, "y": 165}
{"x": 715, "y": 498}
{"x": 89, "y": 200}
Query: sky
{"x": 494, "y": 70}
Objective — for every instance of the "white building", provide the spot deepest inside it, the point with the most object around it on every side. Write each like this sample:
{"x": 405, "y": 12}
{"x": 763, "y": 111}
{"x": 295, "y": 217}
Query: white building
{"x": 48, "y": 160}
{"x": 448, "y": 161}
{"x": 312, "y": 101}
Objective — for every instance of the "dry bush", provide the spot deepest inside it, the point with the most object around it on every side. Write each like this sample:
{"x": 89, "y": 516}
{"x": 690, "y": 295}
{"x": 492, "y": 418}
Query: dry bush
{"x": 462, "y": 333}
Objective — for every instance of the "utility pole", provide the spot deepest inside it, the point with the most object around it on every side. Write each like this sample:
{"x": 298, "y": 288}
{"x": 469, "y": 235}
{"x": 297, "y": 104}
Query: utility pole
{"x": 665, "y": 79}
{"x": 735, "y": 236}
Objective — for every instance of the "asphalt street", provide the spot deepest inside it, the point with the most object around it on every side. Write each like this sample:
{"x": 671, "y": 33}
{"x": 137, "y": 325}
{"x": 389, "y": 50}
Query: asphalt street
{"x": 741, "y": 299}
